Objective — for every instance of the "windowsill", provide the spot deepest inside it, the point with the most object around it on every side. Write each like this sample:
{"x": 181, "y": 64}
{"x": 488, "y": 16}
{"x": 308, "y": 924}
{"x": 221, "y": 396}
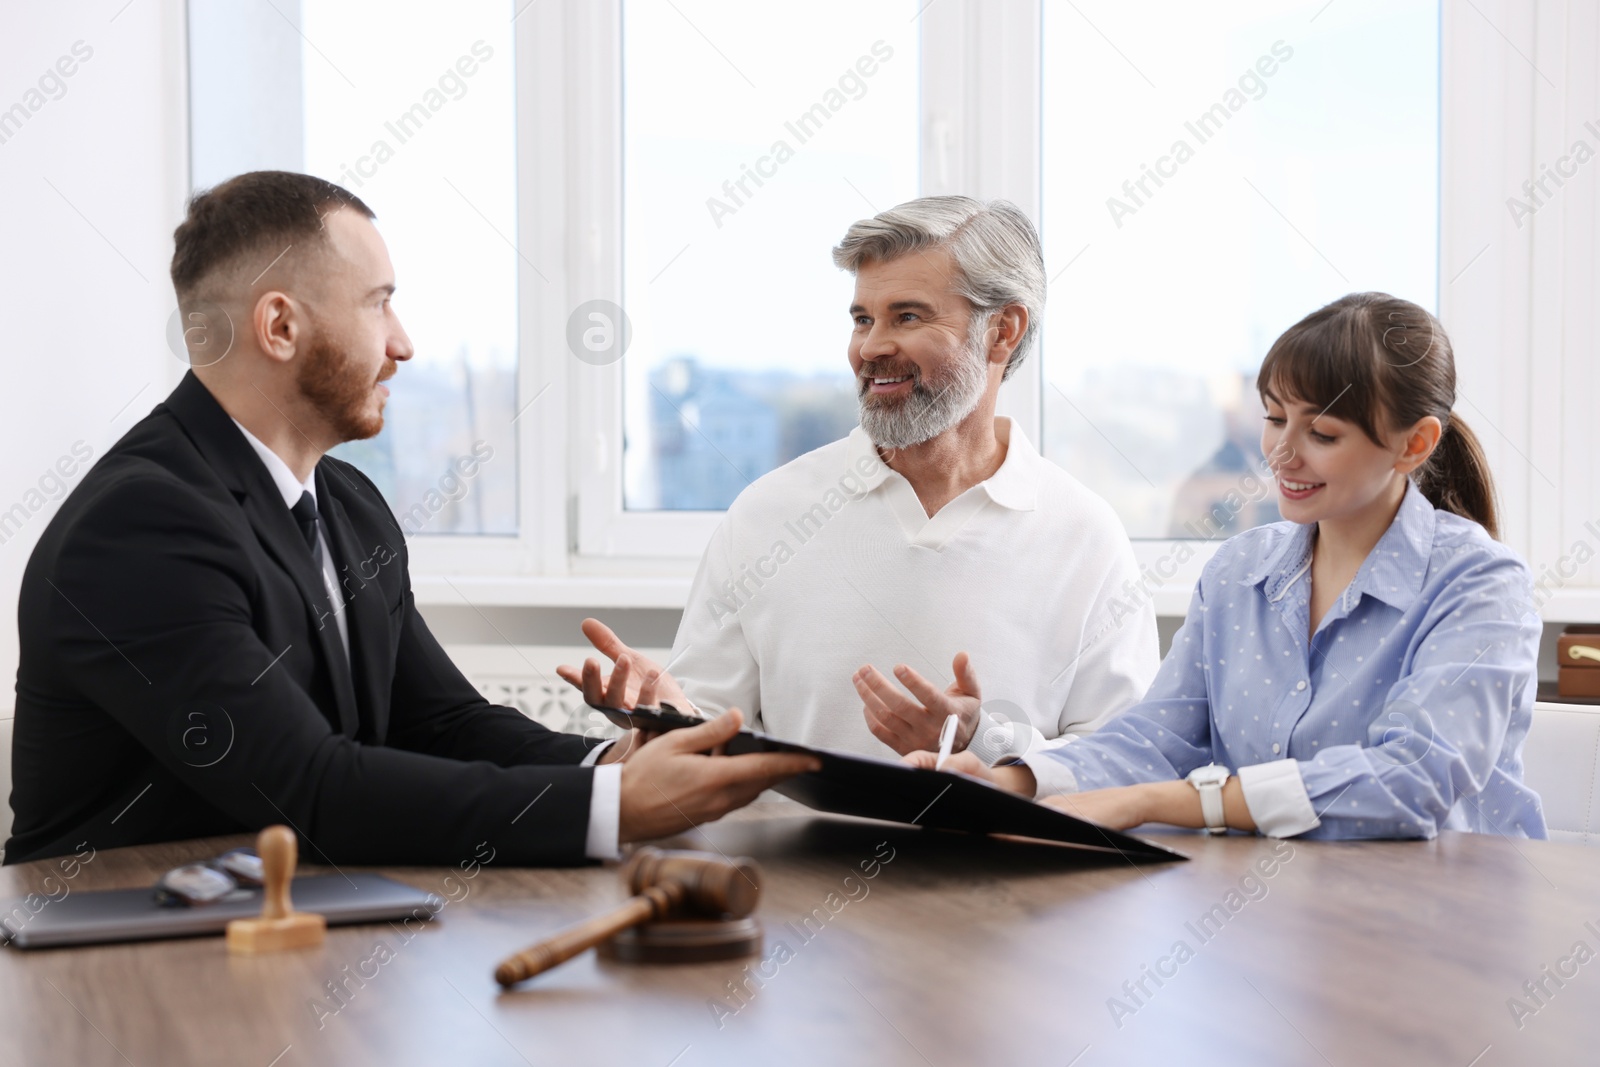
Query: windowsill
{"x": 1572, "y": 605}
{"x": 552, "y": 592}
{"x": 672, "y": 592}
{"x": 612, "y": 591}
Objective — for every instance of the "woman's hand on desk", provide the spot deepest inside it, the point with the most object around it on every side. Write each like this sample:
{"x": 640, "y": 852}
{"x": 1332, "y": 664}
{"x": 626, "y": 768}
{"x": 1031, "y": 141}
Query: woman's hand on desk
{"x": 907, "y": 725}
{"x": 635, "y": 681}
{"x": 671, "y": 783}
{"x": 1015, "y": 777}
{"x": 1118, "y": 808}
{"x": 1174, "y": 803}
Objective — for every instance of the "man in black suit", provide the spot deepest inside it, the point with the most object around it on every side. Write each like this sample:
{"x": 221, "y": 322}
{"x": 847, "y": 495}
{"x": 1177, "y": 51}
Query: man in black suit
{"x": 217, "y": 628}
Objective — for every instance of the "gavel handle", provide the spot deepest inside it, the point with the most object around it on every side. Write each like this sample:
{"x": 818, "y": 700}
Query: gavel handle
{"x": 654, "y": 903}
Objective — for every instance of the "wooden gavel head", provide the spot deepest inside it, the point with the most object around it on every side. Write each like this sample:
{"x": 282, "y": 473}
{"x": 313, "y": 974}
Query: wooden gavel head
{"x": 712, "y": 885}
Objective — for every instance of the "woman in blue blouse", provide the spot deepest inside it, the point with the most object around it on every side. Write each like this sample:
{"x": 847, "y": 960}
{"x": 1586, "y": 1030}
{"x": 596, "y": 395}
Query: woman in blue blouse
{"x": 1364, "y": 669}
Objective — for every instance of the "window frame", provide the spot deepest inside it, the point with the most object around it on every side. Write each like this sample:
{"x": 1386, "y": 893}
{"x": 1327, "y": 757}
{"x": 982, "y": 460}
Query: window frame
{"x": 981, "y": 135}
{"x": 978, "y": 56}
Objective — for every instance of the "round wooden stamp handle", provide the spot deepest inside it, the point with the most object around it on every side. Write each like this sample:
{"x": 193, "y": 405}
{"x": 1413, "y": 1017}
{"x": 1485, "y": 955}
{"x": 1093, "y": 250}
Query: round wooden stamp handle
{"x": 279, "y": 852}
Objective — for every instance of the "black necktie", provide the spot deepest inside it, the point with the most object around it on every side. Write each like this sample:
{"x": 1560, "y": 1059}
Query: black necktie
{"x": 305, "y": 513}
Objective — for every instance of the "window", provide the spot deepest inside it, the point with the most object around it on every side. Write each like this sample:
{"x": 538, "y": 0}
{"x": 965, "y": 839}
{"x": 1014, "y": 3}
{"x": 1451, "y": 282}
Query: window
{"x": 410, "y": 107}
{"x": 625, "y": 154}
{"x": 743, "y": 163}
{"x": 1204, "y": 188}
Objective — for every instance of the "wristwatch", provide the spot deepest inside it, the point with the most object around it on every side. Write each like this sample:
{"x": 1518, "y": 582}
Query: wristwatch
{"x": 1208, "y": 782}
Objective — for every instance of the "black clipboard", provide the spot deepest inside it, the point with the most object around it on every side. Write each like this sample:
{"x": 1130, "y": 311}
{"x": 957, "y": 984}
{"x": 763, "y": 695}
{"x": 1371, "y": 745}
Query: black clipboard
{"x": 892, "y": 791}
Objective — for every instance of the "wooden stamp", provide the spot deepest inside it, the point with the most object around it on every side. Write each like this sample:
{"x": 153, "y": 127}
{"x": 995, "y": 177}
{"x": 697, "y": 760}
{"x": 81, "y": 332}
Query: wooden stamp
{"x": 280, "y": 926}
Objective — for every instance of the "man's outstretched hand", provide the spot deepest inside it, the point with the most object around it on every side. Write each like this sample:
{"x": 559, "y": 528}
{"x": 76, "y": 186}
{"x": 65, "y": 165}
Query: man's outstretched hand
{"x": 671, "y": 784}
{"x": 635, "y": 680}
{"x": 909, "y": 725}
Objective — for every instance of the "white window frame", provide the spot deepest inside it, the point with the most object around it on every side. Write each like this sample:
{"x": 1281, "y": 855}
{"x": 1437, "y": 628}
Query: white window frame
{"x": 977, "y": 56}
{"x": 981, "y": 135}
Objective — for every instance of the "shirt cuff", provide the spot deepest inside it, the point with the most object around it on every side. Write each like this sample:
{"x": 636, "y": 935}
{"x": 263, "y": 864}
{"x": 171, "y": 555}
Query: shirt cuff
{"x": 1051, "y": 775}
{"x": 1276, "y": 796}
{"x": 605, "y": 812}
{"x": 994, "y": 740}
{"x": 594, "y": 754}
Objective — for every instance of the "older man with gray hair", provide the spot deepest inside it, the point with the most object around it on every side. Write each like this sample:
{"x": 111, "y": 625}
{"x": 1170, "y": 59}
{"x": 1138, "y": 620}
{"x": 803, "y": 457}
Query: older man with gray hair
{"x": 933, "y": 534}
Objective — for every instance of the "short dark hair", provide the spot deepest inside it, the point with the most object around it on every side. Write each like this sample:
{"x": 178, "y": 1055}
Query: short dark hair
{"x": 248, "y": 215}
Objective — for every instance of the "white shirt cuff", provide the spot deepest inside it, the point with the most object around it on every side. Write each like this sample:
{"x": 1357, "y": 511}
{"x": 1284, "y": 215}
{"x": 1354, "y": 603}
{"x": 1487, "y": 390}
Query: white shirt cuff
{"x": 596, "y": 752}
{"x": 605, "y": 812}
{"x": 1051, "y": 776}
{"x": 1276, "y": 796}
{"x": 994, "y": 740}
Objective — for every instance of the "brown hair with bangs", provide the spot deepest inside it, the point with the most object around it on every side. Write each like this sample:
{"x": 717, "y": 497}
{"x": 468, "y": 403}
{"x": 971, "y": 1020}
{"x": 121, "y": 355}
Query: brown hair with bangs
{"x": 1381, "y": 363}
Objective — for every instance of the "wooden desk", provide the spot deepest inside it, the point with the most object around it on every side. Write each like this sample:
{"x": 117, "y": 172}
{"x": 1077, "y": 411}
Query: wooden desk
{"x": 957, "y": 952}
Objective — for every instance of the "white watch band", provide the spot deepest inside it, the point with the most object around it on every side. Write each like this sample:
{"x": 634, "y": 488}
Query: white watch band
{"x": 1208, "y": 782}
{"x": 1211, "y": 807}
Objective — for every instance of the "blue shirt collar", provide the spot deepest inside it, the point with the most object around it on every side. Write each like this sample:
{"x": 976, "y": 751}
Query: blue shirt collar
{"x": 1392, "y": 572}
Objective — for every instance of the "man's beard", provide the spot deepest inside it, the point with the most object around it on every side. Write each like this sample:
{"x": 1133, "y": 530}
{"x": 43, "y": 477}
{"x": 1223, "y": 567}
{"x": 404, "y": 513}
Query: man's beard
{"x": 338, "y": 388}
{"x": 929, "y": 409}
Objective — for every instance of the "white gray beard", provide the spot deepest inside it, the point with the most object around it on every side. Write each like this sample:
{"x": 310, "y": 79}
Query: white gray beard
{"x": 926, "y": 413}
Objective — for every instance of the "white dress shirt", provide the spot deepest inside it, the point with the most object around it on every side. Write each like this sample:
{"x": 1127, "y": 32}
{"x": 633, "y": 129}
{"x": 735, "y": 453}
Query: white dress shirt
{"x": 605, "y": 796}
{"x": 831, "y": 562}
{"x": 290, "y": 488}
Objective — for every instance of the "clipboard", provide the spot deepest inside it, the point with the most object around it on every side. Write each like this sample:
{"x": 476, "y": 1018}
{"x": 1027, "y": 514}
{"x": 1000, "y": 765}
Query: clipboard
{"x": 94, "y": 917}
{"x": 886, "y": 789}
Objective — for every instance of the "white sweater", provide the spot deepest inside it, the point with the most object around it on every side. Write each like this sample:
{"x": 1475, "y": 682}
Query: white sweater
{"x": 830, "y": 562}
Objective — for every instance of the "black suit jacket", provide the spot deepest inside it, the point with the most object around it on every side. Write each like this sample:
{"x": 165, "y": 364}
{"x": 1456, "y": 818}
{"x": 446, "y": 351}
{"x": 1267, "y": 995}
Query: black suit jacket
{"x": 181, "y": 674}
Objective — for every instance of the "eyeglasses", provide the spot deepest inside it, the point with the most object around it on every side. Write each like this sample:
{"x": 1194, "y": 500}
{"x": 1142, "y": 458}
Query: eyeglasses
{"x": 234, "y": 872}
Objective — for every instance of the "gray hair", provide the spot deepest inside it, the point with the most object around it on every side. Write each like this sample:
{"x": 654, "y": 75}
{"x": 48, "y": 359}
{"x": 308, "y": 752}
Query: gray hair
{"x": 998, "y": 257}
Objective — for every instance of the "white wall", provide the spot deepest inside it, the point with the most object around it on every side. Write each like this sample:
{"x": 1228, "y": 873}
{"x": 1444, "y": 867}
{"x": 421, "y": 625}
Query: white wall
{"x": 91, "y": 186}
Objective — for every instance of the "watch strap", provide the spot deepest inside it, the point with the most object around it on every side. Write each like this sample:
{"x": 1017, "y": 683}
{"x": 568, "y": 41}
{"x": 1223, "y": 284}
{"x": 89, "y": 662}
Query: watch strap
{"x": 1211, "y": 807}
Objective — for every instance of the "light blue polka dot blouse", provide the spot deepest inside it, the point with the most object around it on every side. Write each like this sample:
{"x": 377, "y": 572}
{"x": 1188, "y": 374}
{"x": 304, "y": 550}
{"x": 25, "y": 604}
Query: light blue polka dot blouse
{"x": 1405, "y": 714}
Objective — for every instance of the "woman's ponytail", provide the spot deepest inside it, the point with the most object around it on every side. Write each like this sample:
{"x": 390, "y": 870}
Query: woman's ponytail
{"x": 1456, "y": 477}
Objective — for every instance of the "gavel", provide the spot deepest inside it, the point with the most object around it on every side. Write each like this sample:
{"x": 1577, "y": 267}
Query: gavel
{"x": 666, "y": 884}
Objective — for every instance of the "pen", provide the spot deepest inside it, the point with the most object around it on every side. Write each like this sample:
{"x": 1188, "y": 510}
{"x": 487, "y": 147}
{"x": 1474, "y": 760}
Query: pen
{"x": 947, "y": 740}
